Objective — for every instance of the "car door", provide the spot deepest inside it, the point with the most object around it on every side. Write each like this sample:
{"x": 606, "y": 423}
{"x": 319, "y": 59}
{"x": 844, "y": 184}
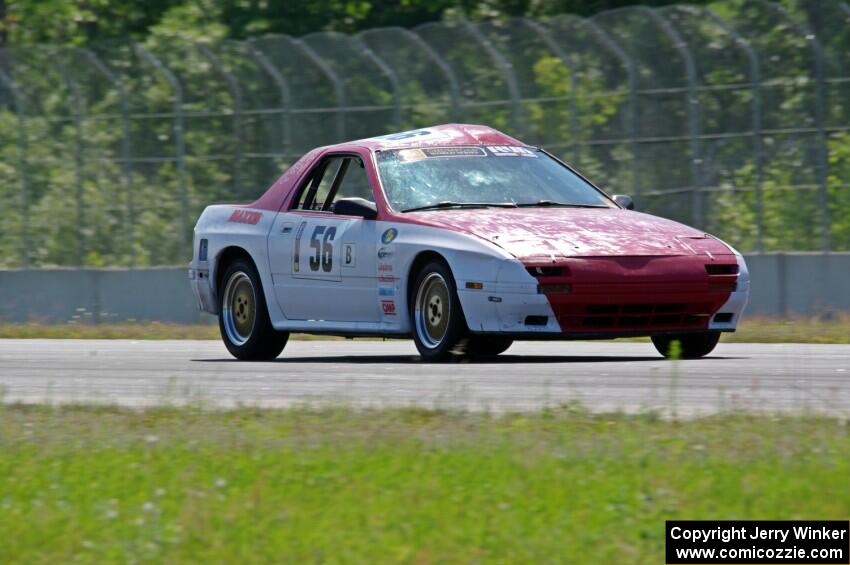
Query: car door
{"x": 323, "y": 264}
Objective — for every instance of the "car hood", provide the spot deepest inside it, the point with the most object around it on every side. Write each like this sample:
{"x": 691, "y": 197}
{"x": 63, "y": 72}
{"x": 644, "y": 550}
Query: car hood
{"x": 548, "y": 233}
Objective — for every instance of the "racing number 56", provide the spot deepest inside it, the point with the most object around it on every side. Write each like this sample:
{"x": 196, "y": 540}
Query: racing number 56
{"x": 324, "y": 251}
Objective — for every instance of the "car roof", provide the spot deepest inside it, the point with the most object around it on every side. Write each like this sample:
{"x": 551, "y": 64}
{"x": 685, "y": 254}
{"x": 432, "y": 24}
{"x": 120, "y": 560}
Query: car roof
{"x": 444, "y": 135}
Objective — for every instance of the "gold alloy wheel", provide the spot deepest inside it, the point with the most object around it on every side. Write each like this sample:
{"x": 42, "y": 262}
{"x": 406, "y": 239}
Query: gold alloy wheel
{"x": 239, "y": 308}
{"x": 432, "y": 310}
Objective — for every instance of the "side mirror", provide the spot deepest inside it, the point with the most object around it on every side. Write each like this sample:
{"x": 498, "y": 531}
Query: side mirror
{"x": 356, "y": 207}
{"x": 624, "y": 201}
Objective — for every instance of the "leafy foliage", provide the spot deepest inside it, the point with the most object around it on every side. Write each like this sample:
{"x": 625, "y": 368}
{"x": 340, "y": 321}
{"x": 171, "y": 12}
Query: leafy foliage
{"x": 84, "y": 21}
{"x": 109, "y": 149}
{"x": 187, "y": 485}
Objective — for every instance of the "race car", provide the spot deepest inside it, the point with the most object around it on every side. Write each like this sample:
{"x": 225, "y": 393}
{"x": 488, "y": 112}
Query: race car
{"x": 464, "y": 239}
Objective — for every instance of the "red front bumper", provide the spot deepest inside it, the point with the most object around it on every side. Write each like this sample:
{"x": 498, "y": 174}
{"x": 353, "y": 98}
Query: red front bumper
{"x": 637, "y": 294}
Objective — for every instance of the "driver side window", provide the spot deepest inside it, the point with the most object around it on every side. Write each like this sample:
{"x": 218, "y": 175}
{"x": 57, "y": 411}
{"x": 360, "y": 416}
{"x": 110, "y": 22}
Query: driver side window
{"x": 355, "y": 183}
{"x": 336, "y": 177}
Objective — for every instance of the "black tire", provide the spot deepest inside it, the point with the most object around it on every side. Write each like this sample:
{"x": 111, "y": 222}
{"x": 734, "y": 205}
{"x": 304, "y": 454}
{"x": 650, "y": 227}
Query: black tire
{"x": 243, "y": 318}
{"x": 692, "y": 346}
{"x": 484, "y": 346}
{"x": 439, "y": 327}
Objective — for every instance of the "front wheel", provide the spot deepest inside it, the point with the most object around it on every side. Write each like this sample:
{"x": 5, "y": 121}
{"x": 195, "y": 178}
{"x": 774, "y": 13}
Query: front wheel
{"x": 438, "y": 322}
{"x": 691, "y": 346}
{"x": 243, "y": 318}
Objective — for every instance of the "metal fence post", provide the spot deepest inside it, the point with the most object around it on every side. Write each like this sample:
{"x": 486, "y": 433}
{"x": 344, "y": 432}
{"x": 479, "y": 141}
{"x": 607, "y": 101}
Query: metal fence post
{"x": 694, "y": 129}
{"x": 445, "y": 68}
{"x": 758, "y": 143}
{"x": 179, "y": 141}
{"x": 822, "y": 168}
{"x": 507, "y": 74}
{"x": 632, "y": 118}
{"x": 79, "y": 150}
{"x": 387, "y": 72}
{"x": 126, "y": 152}
{"x": 236, "y": 96}
{"x": 339, "y": 90}
{"x": 569, "y": 63}
{"x": 23, "y": 178}
{"x": 283, "y": 95}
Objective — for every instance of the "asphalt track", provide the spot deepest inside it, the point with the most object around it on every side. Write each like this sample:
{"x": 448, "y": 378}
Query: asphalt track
{"x": 600, "y": 376}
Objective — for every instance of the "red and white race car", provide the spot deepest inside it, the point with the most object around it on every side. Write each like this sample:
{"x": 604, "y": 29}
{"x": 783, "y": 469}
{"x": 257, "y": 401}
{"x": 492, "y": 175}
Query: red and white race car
{"x": 463, "y": 238}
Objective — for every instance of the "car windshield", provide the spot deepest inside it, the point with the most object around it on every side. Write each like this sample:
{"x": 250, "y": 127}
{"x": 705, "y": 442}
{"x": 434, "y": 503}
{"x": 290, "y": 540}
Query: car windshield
{"x": 464, "y": 177}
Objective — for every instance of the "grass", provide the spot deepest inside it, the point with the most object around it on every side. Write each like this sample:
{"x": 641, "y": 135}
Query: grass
{"x": 795, "y": 330}
{"x": 180, "y": 485}
{"x": 753, "y": 330}
{"x": 134, "y": 330}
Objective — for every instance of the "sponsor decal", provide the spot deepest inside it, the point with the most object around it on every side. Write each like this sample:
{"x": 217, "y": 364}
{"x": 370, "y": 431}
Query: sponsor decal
{"x": 417, "y": 154}
{"x": 511, "y": 151}
{"x": 296, "y": 254}
{"x": 389, "y": 236}
{"x": 386, "y": 279}
{"x": 388, "y": 307}
{"x": 386, "y": 291}
{"x": 410, "y": 155}
{"x": 385, "y": 268}
{"x": 348, "y": 257}
{"x": 412, "y": 134}
{"x": 454, "y": 152}
{"x": 384, "y": 252}
{"x": 245, "y": 217}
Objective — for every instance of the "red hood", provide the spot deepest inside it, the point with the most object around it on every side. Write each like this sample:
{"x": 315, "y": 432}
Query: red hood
{"x": 544, "y": 233}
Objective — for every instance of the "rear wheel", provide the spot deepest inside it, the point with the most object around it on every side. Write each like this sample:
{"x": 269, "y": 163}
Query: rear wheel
{"x": 243, "y": 317}
{"x": 691, "y": 346}
{"x": 480, "y": 346}
{"x": 438, "y": 322}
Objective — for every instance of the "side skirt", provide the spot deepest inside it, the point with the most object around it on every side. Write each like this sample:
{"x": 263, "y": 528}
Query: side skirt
{"x": 559, "y": 336}
{"x": 352, "y": 335}
{"x": 518, "y": 336}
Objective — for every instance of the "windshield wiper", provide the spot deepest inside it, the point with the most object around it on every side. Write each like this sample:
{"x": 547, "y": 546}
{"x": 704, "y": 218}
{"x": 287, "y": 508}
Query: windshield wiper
{"x": 452, "y": 204}
{"x": 552, "y": 203}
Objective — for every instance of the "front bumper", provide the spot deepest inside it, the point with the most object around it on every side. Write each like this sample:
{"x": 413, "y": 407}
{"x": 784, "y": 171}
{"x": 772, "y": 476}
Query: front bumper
{"x": 612, "y": 297}
{"x": 202, "y": 289}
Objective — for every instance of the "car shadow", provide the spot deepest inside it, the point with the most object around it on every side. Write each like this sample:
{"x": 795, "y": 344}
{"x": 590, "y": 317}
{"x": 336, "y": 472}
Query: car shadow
{"x": 500, "y": 360}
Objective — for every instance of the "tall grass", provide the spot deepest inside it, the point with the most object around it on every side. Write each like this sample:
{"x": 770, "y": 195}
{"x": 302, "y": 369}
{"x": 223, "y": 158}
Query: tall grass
{"x": 187, "y": 485}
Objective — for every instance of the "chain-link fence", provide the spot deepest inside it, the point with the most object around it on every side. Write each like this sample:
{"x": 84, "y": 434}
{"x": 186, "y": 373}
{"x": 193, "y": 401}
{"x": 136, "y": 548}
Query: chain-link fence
{"x": 734, "y": 119}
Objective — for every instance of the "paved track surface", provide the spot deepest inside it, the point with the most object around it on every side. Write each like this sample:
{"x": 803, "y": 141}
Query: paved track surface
{"x": 601, "y": 376}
